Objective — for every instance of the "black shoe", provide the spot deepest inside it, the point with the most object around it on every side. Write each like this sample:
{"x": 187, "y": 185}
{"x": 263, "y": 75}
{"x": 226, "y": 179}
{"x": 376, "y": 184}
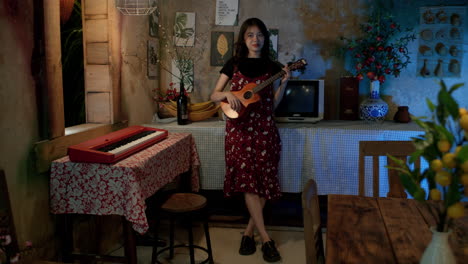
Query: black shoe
{"x": 270, "y": 253}
{"x": 247, "y": 246}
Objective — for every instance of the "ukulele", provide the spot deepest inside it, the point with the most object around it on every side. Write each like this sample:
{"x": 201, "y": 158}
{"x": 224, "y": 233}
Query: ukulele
{"x": 249, "y": 93}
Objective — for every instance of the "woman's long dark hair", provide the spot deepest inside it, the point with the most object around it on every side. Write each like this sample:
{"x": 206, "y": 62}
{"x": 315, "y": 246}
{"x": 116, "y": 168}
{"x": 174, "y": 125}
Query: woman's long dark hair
{"x": 241, "y": 50}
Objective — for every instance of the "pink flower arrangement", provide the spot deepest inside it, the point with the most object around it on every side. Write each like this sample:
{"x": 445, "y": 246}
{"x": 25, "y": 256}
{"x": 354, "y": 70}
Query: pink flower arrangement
{"x": 381, "y": 51}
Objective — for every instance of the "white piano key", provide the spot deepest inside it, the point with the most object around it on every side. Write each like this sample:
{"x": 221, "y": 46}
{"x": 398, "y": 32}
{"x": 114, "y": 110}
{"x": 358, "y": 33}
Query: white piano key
{"x": 135, "y": 143}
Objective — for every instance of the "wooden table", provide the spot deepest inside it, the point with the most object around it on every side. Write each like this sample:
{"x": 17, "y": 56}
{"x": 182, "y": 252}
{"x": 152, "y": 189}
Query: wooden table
{"x": 384, "y": 230}
{"x": 120, "y": 188}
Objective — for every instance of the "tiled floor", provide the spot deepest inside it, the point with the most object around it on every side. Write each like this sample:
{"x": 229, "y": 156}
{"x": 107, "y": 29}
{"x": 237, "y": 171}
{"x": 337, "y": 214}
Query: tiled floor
{"x": 225, "y": 241}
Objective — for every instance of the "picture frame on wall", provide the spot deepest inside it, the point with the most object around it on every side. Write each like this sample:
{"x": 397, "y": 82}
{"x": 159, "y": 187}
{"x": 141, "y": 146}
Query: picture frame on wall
{"x": 184, "y": 29}
{"x": 221, "y": 47}
{"x": 274, "y": 43}
{"x": 154, "y": 22}
{"x": 153, "y": 57}
{"x": 227, "y": 12}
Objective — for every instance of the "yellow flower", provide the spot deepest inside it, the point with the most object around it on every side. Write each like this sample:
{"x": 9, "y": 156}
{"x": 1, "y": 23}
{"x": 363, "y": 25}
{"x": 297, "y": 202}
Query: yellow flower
{"x": 464, "y": 122}
{"x": 435, "y": 194}
{"x": 457, "y": 149}
{"x": 449, "y": 160}
{"x": 443, "y": 178}
{"x": 456, "y": 210}
{"x": 443, "y": 145}
{"x": 464, "y": 166}
{"x": 464, "y": 179}
{"x": 462, "y": 111}
{"x": 437, "y": 165}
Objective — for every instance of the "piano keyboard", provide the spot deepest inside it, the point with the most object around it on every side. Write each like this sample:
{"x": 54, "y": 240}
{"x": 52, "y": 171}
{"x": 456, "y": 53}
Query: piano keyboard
{"x": 116, "y": 145}
{"x": 131, "y": 142}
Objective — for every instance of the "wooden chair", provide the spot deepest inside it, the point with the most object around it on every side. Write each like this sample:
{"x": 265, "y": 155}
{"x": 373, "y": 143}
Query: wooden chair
{"x": 375, "y": 149}
{"x": 312, "y": 231}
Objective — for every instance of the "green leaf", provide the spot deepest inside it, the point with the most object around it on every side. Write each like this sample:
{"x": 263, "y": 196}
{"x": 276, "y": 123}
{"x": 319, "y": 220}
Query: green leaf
{"x": 455, "y": 87}
{"x": 462, "y": 155}
{"x": 415, "y": 155}
{"x": 448, "y": 104}
{"x": 453, "y": 194}
{"x": 431, "y": 106}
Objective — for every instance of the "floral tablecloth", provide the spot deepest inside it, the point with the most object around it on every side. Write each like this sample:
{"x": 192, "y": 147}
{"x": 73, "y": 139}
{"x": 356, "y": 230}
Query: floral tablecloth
{"x": 121, "y": 188}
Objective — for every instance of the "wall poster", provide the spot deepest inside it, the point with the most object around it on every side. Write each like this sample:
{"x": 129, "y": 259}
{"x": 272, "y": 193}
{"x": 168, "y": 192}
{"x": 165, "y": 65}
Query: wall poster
{"x": 227, "y": 12}
{"x": 221, "y": 47}
{"x": 152, "y": 63}
{"x": 154, "y": 21}
{"x": 184, "y": 29}
{"x": 440, "y": 50}
{"x": 186, "y": 67}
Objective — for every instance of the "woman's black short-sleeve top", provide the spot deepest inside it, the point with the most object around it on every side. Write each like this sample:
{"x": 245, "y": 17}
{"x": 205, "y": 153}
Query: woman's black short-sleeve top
{"x": 251, "y": 67}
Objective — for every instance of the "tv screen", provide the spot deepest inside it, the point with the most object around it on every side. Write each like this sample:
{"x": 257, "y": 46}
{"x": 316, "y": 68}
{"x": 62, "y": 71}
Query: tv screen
{"x": 302, "y": 102}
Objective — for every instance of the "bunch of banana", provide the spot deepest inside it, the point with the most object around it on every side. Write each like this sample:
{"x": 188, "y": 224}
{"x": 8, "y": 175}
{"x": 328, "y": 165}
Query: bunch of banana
{"x": 198, "y": 107}
{"x": 197, "y": 111}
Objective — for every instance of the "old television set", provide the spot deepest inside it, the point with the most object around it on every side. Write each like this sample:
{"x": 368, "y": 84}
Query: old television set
{"x": 302, "y": 102}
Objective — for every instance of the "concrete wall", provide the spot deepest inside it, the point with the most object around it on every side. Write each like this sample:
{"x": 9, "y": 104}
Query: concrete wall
{"x": 308, "y": 29}
{"x": 19, "y": 125}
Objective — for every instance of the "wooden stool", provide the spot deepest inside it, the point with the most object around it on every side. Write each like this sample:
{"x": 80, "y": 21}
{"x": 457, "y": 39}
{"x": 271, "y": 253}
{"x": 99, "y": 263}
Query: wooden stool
{"x": 184, "y": 206}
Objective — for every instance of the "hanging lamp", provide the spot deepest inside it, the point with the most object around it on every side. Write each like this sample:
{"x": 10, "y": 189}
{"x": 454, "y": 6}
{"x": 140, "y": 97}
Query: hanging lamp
{"x": 136, "y": 7}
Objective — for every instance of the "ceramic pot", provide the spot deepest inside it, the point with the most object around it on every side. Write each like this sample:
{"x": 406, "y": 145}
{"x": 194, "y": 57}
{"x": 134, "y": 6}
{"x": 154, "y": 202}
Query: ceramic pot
{"x": 373, "y": 109}
{"x": 402, "y": 115}
{"x": 439, "y": 250}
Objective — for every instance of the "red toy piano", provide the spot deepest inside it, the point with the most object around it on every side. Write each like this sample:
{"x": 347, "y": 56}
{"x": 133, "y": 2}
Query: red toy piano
{"x": 117, "y": 145}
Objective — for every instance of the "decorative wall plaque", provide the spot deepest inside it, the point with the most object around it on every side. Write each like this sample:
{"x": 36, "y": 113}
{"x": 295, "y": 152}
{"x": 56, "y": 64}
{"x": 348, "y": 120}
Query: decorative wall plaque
{"x": 440, "y": 50}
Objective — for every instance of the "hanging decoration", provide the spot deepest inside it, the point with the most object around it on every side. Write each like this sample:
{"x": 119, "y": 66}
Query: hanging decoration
{"x": 136, "y": 7}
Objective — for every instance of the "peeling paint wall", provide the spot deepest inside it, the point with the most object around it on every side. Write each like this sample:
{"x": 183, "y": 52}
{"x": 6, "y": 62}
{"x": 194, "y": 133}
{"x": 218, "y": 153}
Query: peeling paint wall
{"x": 19, "y": 127}
{"x": 307, "y": 29}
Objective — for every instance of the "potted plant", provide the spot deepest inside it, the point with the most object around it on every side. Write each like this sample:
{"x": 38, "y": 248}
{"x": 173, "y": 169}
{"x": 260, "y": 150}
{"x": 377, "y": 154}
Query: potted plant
{"x": 381, "y": 51}
{"x": 445, "y": 145}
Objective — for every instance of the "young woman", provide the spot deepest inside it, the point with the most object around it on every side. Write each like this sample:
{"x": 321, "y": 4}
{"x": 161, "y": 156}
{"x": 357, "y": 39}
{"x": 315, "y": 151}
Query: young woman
{"x": 252, "y": 141}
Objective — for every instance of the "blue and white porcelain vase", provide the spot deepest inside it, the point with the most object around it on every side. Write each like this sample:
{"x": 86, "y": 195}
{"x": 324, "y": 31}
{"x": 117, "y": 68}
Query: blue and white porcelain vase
{"x": 373, "y": 109}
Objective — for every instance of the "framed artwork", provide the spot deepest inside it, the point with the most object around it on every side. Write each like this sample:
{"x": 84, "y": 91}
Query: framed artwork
{"x": 440, "y": 51}
{"x": 186, "y": 67}
{"x": 154, "y": 21}
{"x": 184, "y": 29}
{"x": 227, "y": 12}
{"x": 153, "y": 50}
{"x": 221, "y": 47}
{"x": 274, "y": 44}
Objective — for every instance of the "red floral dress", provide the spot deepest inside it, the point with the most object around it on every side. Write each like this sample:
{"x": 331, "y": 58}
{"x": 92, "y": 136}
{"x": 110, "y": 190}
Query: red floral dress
{"x": 253, "y": 145}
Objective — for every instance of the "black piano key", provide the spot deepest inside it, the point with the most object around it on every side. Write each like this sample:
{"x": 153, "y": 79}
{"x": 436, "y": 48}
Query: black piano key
{"x": 125, "y": 141}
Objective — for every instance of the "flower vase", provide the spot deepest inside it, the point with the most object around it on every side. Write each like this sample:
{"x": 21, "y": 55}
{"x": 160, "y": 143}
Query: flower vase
{"x": 373, "y": 109}
{"x": 439, "y": 250}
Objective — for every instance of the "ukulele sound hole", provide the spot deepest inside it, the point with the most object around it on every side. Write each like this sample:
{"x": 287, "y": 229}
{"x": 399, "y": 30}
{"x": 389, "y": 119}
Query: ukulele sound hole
{"x": 248, "y": 95}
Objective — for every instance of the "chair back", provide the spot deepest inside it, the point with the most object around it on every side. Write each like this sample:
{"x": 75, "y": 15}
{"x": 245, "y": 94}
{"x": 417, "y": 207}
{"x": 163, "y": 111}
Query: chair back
{"x": 399, "y": 149}
{"x": 312, "y": 232}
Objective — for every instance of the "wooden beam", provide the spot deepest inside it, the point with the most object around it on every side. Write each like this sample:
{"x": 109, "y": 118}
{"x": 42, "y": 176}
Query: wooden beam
{"x": 115, "y": 35}
{"x": 53, "y": 61}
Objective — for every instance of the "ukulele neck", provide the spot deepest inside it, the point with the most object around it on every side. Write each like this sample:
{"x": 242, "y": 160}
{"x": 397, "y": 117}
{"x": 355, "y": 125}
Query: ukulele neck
{"x": 268, "y": 81}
